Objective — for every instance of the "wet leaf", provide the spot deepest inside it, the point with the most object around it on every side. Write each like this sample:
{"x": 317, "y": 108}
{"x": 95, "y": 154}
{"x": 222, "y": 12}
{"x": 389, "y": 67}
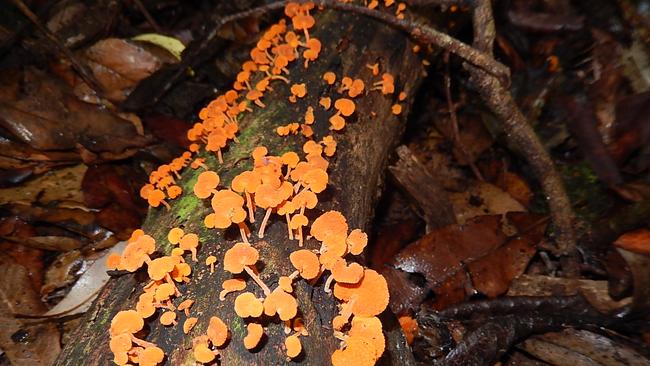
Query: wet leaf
{"x": 482, "y": 198}
{"x": 637, "y": 241}
{"x": 41, "y": 112}
{"x": 485, "y": 254}
{"x": 62, "y": 186}
{"x": 120, "y": 64}
{"x": 24, "y": 344}
{"x": 87, "y": 287}
{"x": 594, "y": 291}
{"x": 581, "y": 347}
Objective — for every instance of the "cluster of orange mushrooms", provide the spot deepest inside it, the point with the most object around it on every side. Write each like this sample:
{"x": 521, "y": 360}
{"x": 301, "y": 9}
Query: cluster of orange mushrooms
{"x": 286, "y": 185}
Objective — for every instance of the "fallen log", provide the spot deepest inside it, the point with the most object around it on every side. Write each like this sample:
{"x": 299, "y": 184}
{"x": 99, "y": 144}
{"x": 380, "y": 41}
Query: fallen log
{"x": 349, "y": 43}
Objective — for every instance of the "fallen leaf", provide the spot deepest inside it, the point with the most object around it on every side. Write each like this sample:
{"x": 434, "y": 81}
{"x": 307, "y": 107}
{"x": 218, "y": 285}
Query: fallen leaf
{"x": 24, "y": 343}
{"x": 61, "y": 272}
{"x": 482, "y": 198}
{"x": 41, "y": 111}
{"x": 171, "y": 44}
{"x": 637, "y": 241}
{"x": 582, "y": 347}
{"x": 62, "y": 186}
{"x": 119, "y": 64}
{"x": 595, "y": 292}
{"x": 87, "y": 287}
{"x": 640, "y": 267}
{"x": 485, "y": 254}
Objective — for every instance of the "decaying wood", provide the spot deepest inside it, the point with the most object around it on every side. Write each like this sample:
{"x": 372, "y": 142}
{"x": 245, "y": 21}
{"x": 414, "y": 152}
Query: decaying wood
{"x": 349, "y": 43}
{"x": 416, "y": 180}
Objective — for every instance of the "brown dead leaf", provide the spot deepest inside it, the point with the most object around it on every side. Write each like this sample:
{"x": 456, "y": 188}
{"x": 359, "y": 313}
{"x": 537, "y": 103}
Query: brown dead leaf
{"x": 594, "y": 291}
{"x": 62, "y": 186}
{"x": 41, "y": 112}
{"x": 637, "y": 241}
{"x": 486, "y": 253}
{"x": 582, "y": 347}
{"x": 482, "y": 198}
{"x": 24, "y": 344}
{"x": 120, "y": 64}
{"x": 515, "y": 186}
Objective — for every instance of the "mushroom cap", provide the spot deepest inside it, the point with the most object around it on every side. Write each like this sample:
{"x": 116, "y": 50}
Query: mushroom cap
{"x": 202, "y": 353}
{"x": 207, "y": 182}
{"x": 175, "y": 234}
{"x": 329, "y": 77}
{"x": 369, "y": 328}
{"x": 369, "y": 297}
{"x": 331, "y": 229}
{"x": 247, "y": 305}
{"x": 281, "y": 303}
{"x": 299, "y": 90}
{"x": 120, "y": 343}
{"x": 217, "y": 331}
{"x": 316, "y": 180}
{"x": 255, "y": 333}
{"x": 145, "y": 306}
{"x": 285, "y": 283}
{"x": 246, "y": 181}
{"x": 358, "y": 351}
{"x": 210, "y": 260}
{"x": 186, "y": 304}
{"x": 126, "y": 321}
{"x": 293, "y": 346}
{"x": 151, "y": 356}
{"x": 306, "y": 262}
{"x": 189, "y": 242}
{"x": 164, "y": 292}
{"x": 159, "y": 267}
{"x": 357, "y": 241}
{"x": 337, "y": 122}
{"x": 345, "y": 106}
{"x": 352, "y": 273}
{"x": 231, "y": 285}
{"x": 240, "y": 255}
{"x": 168, "y": 318}
{"x": 189, "y": 323}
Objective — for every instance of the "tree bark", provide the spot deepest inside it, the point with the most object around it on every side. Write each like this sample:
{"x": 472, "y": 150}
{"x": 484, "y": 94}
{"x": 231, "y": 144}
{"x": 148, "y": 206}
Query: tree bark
{"x": 356, "y": 172}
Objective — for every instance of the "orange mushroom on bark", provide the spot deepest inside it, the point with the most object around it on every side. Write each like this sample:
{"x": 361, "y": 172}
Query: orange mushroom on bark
{"x": 168, "y": 318}
{"x": 386, "y": 85}
{"x": 242, "y": 257}
{"x": 185, "y": 306}
{"x": 281, "y": 303}
{"x": 247, "y": 183}
{"x": 210, "y": 261}
{"x": 231, "y": 285}
{"x": 306, "y": 263}
{"x": 292, "y": 343}
{"x": 217, "y": 331}
{"x": 255, "y": 333}
{"x": 247, "y": 305}
{"x": 188, "y": 324}
{"x": 206, "y": 184}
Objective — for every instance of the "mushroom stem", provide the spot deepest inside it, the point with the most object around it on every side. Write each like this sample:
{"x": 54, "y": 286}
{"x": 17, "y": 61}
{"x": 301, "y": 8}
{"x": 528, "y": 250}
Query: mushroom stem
{"x": 328, "y": 283}
{"x": 166, "y": 205}
{"x": 249, "y": 203}
{"x": 289, "y": 226}
{"x": 243, "y": 231}
{"x": 140, "y": 342}
{"x": 294, "y": 274}
{"x": 256, "y": 278}
{"x": 300, "y": 236}
{"x": 260, "y": 234}
{"x": 169, "y": 280}
{"x": 219, "y": 156}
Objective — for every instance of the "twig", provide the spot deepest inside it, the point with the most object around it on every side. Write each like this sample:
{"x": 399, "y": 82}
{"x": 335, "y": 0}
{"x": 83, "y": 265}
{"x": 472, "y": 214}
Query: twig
{"x": 81, "y": 68}
{"x": 454, "y": 122}
{"x": 425, "y": 34}
{"x": 148, "y": 16}
{"x": 519, "y": 132}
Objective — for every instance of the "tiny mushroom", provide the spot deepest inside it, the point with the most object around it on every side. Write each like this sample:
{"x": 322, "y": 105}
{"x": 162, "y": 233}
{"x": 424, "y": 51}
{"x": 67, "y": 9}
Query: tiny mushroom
{"x": 247, "y": 305}
{"x": 255, "y": 333}
{"x": 210, "y": 261}
{"x": 293, "y": 346}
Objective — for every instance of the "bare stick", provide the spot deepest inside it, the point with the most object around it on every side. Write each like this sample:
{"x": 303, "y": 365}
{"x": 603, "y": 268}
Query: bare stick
{"x": 519, "y": 131}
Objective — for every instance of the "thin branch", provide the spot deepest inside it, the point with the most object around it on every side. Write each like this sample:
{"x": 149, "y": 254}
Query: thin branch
{"x": 521, "y": 134}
